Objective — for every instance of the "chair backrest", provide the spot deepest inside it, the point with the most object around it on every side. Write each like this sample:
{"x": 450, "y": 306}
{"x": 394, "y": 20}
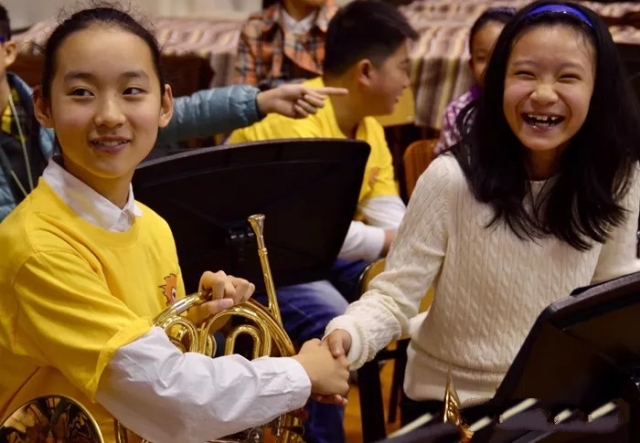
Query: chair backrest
{"x": 369, "y": 273}
{"x": 416, "y": 159}
{"x": 376, "y": 268}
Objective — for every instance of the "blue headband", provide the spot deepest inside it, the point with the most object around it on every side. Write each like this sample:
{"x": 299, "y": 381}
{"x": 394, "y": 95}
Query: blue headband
{"x": 563, "y": 9}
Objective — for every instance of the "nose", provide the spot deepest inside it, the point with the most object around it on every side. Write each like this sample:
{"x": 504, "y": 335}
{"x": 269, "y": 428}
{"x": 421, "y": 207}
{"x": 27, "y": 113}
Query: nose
{"x": 109, "y": 113}
{"x": 544, "y": 94}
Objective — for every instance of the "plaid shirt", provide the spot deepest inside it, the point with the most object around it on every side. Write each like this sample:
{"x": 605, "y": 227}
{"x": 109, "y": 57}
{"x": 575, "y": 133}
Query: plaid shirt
{"x": 449, "y": 135}
{"x": 268, "y": 56}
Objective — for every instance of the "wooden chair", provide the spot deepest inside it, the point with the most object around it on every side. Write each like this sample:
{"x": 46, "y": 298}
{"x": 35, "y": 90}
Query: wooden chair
{"x": 416, "y": 159}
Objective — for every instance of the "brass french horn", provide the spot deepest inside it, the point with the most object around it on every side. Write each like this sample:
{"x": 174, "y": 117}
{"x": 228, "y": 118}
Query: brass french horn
{"x": 452, "y": 413}
{"x": 262, "y": 325}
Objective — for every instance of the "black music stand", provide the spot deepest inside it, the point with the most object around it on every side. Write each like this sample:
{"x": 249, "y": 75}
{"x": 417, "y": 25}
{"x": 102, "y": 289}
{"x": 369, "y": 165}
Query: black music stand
{"x": 307, "y": 188}
{"x": 581, "y": 353}
{"x": 435, "y": 431}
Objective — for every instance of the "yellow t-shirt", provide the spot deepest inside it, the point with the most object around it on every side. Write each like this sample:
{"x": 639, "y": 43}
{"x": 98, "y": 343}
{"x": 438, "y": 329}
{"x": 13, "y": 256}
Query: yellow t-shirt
{"x": 72, "y": 294}
{"x": 378, "y": 177}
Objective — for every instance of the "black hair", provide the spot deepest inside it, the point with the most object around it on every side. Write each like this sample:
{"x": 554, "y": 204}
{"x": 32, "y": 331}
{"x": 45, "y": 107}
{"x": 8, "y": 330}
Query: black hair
{"x": 501, "y": 14}
{"x": 268, "y": 3}
{"x": 103, "y": 13}
{"x": 364, "y": 29}
{"x": 5, "y": 24}
{"x": 581, "y": 203}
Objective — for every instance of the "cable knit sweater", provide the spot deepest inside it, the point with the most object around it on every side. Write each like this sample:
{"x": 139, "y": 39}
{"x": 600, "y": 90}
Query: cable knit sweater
{"x": 490, "y": 286}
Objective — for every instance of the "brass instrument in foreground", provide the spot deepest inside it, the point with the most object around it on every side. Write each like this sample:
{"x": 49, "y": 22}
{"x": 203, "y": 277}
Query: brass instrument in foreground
{"x": 263, "y": 325}
{"x": 452, "y": 412}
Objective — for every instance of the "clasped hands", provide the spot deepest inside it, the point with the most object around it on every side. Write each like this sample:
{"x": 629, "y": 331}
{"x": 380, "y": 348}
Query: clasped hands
{"x": 324, "y": 362}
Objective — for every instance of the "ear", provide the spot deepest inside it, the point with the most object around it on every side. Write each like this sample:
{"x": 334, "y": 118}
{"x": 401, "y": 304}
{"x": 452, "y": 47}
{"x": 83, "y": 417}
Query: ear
{"x": 471, "y": 64}
{"x": 11, "y": 52}
{"x": 166, "y": 107}
{"x": 41, "y": 108}
{"x": 364, "y": 72}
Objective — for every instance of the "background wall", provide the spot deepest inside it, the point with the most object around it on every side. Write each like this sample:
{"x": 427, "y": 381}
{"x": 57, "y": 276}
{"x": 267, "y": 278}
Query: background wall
{"x": 27, "y": 12}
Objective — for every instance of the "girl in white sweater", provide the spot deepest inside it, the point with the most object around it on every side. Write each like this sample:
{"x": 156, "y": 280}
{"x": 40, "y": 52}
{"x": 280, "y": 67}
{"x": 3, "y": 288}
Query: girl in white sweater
{"x": 540, "y": 197}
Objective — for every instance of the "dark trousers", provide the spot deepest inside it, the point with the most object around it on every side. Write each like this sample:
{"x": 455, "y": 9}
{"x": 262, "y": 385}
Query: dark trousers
{"x": 306, "y": 311}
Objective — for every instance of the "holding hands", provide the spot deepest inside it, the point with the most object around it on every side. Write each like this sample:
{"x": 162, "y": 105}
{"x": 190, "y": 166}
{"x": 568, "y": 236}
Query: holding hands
{"x": 295, "y": 100}
{"x": 339, "y": 342}
{"x": 329, "y": 376}
{"x": 328, "y": 369}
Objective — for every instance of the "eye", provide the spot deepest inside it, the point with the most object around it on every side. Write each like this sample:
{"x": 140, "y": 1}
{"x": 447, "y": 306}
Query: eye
{"x": 570, "y": 77}
{"x": 525, "y": 75}
{"x": 81, "y": 92}
{"x": 133, "y": 91}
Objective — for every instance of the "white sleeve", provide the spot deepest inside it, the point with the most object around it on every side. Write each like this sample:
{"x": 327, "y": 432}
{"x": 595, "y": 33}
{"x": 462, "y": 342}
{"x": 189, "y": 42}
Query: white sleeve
{"x": 382, "y": 314}
{"x": 365, "y": 240}
{"x": 163, "y": 395}
{"x": 386, "y": 211}
{"x": 618, "y": 255}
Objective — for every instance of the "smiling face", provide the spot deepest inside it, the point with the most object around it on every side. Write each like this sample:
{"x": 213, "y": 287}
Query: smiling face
{"x": 548, "y": 86}
{"x": 105, "y": 104}
{"x": 481, "y": 47}
{"x": 387, "y": 81}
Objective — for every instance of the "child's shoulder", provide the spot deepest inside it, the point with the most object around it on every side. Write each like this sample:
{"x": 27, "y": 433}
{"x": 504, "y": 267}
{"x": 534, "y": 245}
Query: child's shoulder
{"x": 444, "y": 172}
{"x": 33, "y": 226}
{"x": 152, "y": 219}
{"x": 257, "y": 21}
{"x": 447, "y": 162}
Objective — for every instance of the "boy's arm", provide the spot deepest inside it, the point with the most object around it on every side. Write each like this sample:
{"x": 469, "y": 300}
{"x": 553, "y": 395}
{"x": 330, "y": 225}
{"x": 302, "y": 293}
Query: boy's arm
{"x": 210, "y": 112}
{"x": 164, "y": 395}
{"x": 382, "y": 209}
{"x": 117, "y": 358}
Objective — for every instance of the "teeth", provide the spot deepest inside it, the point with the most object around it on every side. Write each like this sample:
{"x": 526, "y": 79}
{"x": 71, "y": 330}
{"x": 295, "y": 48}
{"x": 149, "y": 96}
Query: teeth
{"x": 547, "y": 120}
{"x": 109, "y": 143}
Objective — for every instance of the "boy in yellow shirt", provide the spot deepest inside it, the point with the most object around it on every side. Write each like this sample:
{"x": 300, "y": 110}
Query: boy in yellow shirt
{"x": 367, "y": 54}
{"x": 86, "y": 268}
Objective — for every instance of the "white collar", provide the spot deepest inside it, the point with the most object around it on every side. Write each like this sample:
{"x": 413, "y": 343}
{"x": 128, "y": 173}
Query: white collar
{"x": 87, "y": 203}
{"x": 296, "y": 27}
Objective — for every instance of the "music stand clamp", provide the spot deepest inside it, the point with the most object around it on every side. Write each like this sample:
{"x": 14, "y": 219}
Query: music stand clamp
{"x": 308, "y": 190}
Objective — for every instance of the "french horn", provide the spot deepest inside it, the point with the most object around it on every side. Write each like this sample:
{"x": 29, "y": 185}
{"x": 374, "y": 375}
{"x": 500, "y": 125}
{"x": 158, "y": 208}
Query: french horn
{"x": 261, "y": 324}
{"x": 452, "y": 413}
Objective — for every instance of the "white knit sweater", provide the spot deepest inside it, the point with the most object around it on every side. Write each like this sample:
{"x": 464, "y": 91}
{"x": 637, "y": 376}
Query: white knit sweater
{"x": 490, "y": 286}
